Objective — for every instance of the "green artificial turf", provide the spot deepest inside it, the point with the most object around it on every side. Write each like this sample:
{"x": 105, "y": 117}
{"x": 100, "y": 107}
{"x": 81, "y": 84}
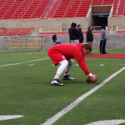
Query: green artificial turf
{"x": 26, "y": 90}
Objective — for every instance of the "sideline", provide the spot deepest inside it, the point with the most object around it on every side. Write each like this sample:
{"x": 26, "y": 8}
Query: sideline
{"x": 22, "y": 62}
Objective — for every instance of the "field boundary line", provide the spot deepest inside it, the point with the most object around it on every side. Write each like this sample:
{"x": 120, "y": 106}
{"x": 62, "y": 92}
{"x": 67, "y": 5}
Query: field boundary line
{"x": 22, "y": 62}
{"x": 20, "y": 53}
{"x": 54, "y": 118}
{"x": 14, "y": 54}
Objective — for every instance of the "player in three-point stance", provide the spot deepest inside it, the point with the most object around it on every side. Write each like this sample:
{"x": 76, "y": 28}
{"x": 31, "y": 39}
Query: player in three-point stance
{"x": 63, "y": 53}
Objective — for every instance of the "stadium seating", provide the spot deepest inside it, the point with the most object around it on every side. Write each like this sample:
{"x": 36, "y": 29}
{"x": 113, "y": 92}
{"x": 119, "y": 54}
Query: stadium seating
{"x": 102, "y": 2}
{"x": 119, "y": 8}
{"x": 71, "y": 8}
{"x": 83, "y": 8}
{"x": 79, "y": 8}
{"x": 24, "y": 9}
{"x": 15, "y": 32}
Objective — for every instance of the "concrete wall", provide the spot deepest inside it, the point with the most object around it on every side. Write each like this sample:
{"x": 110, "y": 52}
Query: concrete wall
{"x": 58, "y": 24}
{"x": 101, "y": 8}
{"x": 114, "y": 41}
{"x": 31, "y": 23}
{"x": 2, "y": 43}
{"x": 117, "y": 21}
{"x": 52, "y": 24}
{"x": 66, "y": 22}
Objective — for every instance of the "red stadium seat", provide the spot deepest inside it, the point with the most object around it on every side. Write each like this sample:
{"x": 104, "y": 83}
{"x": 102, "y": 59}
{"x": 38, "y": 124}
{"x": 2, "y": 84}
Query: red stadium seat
{"x": 23, "y": 9}
{"x": 15, "y": 32}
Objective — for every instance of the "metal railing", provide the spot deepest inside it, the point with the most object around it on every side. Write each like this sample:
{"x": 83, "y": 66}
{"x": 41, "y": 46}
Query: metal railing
{"x": 120, "y": 28}
{"x": 25, "y": 43}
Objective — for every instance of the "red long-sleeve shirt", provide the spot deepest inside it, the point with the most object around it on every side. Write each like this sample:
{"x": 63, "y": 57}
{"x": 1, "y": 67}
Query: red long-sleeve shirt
{"x": 73, "y": 51}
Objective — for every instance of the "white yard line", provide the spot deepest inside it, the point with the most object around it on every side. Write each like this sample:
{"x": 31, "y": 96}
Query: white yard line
{"x": 108, "y": 122}
{"x": 22, "y": 53}
{"x": 18, "y": 54}
{"x": 14, "y": 54}
{"x": 51, "y": 120}
{"x": 101, "y": 65}
{"x": 30, "y": 64}
{"x": 7, "y": 117}
{"x": 22, "y": 62}
{"x": 77, "y": 65}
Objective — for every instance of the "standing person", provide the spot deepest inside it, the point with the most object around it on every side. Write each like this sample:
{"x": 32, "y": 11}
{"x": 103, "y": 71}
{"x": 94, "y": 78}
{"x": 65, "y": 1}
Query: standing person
{"x": 54, "y": 38}
{"x": 81, "y": 38}
{"x": 63, "y": 54}
{"x": 73, "y": 34}
{"x": 103, "y": 40}
{"x": 89, "y": 36}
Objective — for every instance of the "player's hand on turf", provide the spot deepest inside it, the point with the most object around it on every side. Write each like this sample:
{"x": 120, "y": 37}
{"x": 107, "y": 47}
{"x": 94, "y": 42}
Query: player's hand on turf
{"x": 94, "y": 78}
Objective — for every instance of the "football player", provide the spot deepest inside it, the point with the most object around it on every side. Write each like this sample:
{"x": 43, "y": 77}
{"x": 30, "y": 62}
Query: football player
{"x": 63, "y": 53}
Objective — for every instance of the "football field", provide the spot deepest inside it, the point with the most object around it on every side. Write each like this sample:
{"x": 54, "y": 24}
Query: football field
{"x": 26, "y": 92}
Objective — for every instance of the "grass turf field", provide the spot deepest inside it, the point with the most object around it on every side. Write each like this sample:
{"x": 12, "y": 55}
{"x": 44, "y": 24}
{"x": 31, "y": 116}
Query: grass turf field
{"x": 25, "y": 89}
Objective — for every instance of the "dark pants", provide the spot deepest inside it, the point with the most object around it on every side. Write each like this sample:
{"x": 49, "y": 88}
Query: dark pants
{"x": 102, "y": 46}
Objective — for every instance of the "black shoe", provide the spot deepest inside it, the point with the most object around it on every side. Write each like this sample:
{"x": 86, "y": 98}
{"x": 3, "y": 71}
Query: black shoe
{"x": 68, "y": 77}
{"x": 56, "y": 82}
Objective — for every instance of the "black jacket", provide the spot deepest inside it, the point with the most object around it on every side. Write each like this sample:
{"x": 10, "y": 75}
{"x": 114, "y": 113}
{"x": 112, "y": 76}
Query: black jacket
{"x": 54, "y": 38}
{"x": 81, "y": 38}
{"x": 73, "y": 32}
{"x": 89, "y": 36}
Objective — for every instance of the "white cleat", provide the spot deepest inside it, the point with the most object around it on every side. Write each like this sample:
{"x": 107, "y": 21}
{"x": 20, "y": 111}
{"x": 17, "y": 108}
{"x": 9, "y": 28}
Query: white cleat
{"x": 56, "y": 82}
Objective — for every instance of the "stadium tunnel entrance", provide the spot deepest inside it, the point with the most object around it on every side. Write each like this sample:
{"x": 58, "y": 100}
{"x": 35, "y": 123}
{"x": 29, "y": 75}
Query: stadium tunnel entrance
{"x": 100, "y": 15}
{"x": 100, "y": 18}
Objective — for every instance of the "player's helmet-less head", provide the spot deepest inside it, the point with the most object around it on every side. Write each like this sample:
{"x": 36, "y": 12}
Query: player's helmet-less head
{"x": 87, "y": 47}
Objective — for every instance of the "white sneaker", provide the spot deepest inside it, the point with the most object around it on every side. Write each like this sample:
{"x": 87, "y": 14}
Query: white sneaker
{"x": 56, "y": 82}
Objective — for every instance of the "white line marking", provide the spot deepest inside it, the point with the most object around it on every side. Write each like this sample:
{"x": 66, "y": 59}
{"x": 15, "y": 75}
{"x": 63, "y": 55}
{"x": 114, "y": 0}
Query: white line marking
{"x": 122, "y": 64}
{"x": 14, "y": 54}
{"x": 19, "y": 53}
{"x": 52, "y": 65}
{"x": 6, "y": 117}
{"x": 108, "y": 122}
{"x": 22, "y": 62}
{"x": 78, "y": 100}
{"x": 101, "y": 65}
{"x": 30, "y": 64}
{"x": 77, "y": 65}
